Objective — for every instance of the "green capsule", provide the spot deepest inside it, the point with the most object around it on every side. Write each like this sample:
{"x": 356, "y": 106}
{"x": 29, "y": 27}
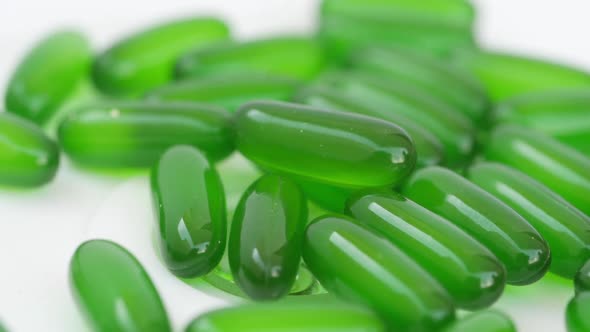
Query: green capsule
{"x": 146, "y": 59}
{"x": 469, "y": 272}
{"x": 266, "y": 237}
{"x": 559, "y": 167}
{"x": 328, "y": 197}
{"x": 576, "y": 315}
{"x": 135, "y": 134}
{"x": 330, "y": 147}
{"x": 49, "y": 74}
{"x": 113, "y": 290}
{"x": 358, "y": 265}
{"x": 504, "y": 232}
{"x": 28, "y": 158}
{"x": 295, "y": 57}
{"x": 582, "y": 278}
{"x": 566, "y": 229}
{"x": 229, "y": 91}
{"x": 483, "y": 321}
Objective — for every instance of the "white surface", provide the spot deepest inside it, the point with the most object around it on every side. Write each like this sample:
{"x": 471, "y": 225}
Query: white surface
{"x": 39, "y": 230}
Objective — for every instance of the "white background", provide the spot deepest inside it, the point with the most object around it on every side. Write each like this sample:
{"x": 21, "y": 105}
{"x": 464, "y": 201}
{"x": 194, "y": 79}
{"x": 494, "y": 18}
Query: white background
{"x": 39, "y": 230}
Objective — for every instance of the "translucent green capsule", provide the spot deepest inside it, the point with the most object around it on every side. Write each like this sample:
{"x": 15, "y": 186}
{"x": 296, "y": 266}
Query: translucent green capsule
{"x": 576, "y": 315}
{"x": 330, "y": 147}
{"x": 28, "y": 158}
{"x": 470, "y": 273}
{"x": 228, "y": 90}
{"x": 266, "y": 237}
{"x": 521, "y": 249}
{"x": 113, "y": 290}
{"x": 559, "y": 167}
{"x": 566, "y": 229}
{"x": 146, "y": 59}
{"x": 358, "y": 265}
{"x": 135, "y": 134}
{"x": 483, "y": 321}
{"x": 582, "y": 278}
{"x": 48, "y": 75}
{"x": 295, "y": 57}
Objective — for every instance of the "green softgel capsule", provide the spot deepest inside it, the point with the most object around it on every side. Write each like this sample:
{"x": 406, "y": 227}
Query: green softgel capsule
{"x": 330, "y": 147}
{"x": 146, "y": 59}
{"x": 469, "y": 272}
{"x": 28, "y": 158}
{"x": 266, "y": 237}
{"x": 559, "y": 167}
{"x": 483, "y": 321}
{"x": 576, "y": 317}
{"x": 566, "y": 229}
{"x": 356, "y": 264}
{"x": 582, "y": 278}
{"x": 48, "y": 75}
{"x": 521, "y": 249}
{"x": 133, "y": 134}
{"x": 295, "y": 57}
{"x": 114, "y": 291}
{"x": 190, "y": 204}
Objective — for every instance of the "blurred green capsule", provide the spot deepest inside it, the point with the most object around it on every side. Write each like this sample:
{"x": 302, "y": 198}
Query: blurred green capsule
{"x": 483, "y": 321}
{"x": 582, "y": 278}
{"x": 576, "y": 315}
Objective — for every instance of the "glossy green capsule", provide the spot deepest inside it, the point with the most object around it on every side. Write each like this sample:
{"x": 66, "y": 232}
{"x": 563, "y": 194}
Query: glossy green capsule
{"x": 295, "y": 57}
{"x": 483, "y": 321}
{"x": 354, "y": 263}
{"x": 146, "y": 59}
{"x": 49, "y": 74}
{"x": 28, "y": 158}
{"x": 559, "y": 167}
{"x": 566, "y": 229}
{"x": 114, "y": 291}
{"x": 190, "y": 204}
{"x": 521, "y": 249}
{"x": 266, "y": 237}
{"x": 134, "y": 133}
{"x": 469, "y": 272}
{"x": 331, "y": 147}
{"x": 582, "y": 278}
{"x": 576, "y": 315}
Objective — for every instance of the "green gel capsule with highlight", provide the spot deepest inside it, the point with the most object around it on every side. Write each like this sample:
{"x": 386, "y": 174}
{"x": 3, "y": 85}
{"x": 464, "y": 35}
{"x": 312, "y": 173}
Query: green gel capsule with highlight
{"x": 133, "y": 134}
{"x": 521, "y": 249}
{"x": 28, "y": 158}
{"x": 114, "y": 291}
{"x": 483, "y": 321}
{"x": 190, "y": 204}
{"x": 295, "y": 57}
{"x": 582, "y": 278}
{"x": 576, "y": 315}
{"x": 566, "y": 229}
{"x": 146, "y": 59}
{"x": 266, "y": 237}
{"x": 559, "y": 167}
{"x": 336, "y": 148}
{"x": 354, "y": 263}
{"x": 48, "y": 75}
{"x": 470, "y": 273}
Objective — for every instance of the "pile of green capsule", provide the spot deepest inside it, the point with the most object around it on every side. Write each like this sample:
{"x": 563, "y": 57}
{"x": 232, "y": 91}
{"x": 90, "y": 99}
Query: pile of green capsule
{"x": 441, "y": 171}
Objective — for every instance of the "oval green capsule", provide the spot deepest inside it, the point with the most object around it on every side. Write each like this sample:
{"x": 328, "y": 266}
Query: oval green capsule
{"x": 146, "y": 59}
{"x": 469, "y": 272}
{"x": 358, "y": 265}
{"x": 576, "y": 316}
{"x": 135, "y": 134}
{"x": 582, "y": 278}
{"x": 483, "y": 321}
{"x": 559, "y": 167}
{"x": 521, "y": 249}
{"x": 190, "y": 204}
{"x": 28, "y": 158}
{"x": 266, "y": 237}
{"x": 113, "y": 290}
{"x": 295, "y": 57}
{"x": 566, "y": 229}
{"x": 48, "y": 75}
{"x": 331, "y": 147}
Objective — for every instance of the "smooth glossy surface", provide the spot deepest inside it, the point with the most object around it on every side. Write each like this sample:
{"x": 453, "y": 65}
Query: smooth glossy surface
{"x": 330, "y": 147}
{"x": 266, "y": 237}
{"x": 576, "y": 316}
{"x": 483, "y": 321}
{"x": 559, "y": 167}
{"x": 135, "y": 133}
{"x": 113, "y": 290}
{"x": 566, "y": 229}
{"x": 48, "y": 75}
{"x": 582, "y": 278}
{"x": 190, "y": 204}
{"x": 521, "y": 249}
{"x": 146, "y": 59}
{"x": 28, "y": 158}
{"x": 358, "y": 265}
{"x": 470, "y": 273}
